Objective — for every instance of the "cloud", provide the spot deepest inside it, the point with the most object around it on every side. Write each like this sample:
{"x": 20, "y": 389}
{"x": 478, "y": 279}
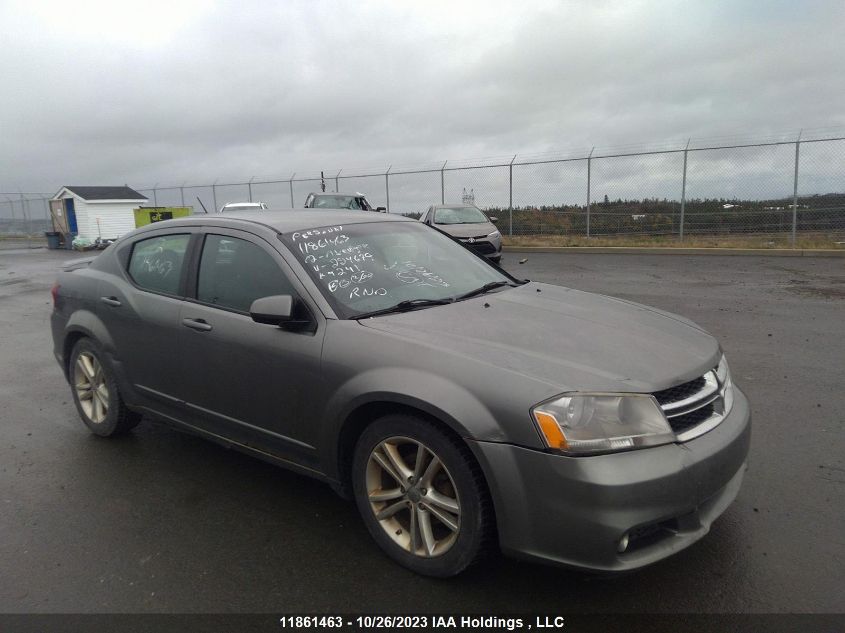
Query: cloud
{"x": 146, "y": 92}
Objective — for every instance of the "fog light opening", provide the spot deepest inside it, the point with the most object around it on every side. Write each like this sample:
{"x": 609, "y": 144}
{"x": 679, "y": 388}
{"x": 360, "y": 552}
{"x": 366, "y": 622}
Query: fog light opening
{"x": 623, "y": 544}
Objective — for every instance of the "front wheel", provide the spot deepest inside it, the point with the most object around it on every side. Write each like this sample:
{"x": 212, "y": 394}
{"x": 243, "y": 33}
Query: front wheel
{"x": 95, "y": 392}
{"x": 421, "y": 495}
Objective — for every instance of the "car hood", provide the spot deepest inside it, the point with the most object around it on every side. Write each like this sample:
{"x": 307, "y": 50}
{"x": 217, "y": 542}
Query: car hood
{"x": 567, "y": 338}
{"x": 467, "y": 230}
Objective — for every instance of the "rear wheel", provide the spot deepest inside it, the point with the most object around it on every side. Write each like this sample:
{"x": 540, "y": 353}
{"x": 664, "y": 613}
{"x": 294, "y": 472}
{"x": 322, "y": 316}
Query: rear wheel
{"x": 95, "y": 392}
{"x": 421, "y": 495}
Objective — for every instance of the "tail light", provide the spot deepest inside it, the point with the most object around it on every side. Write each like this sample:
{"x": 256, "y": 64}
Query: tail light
{"x": 54, "y": 292}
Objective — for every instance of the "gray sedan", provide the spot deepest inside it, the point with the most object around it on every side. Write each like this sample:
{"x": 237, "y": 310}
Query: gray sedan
{"x": 461, "y": 408}
{"x": 469, "y": 225}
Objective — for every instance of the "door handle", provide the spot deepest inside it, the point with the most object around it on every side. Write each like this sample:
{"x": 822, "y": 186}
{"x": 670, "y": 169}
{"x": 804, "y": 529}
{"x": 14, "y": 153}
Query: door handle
{"x": 111, "y": 301}
{"x": 200, "y": 325}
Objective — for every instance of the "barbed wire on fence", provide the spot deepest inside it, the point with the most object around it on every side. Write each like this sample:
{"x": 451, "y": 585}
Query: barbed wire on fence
{"x": 785, "y": 184}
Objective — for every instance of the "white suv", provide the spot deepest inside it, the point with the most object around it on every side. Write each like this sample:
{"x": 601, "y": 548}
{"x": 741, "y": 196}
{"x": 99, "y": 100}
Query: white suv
{"x": 356, "y": 201}
{"x": 243, "y": 206}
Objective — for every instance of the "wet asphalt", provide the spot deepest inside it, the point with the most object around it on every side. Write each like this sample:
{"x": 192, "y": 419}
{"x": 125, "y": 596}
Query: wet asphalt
{"x": 159, "y": 521}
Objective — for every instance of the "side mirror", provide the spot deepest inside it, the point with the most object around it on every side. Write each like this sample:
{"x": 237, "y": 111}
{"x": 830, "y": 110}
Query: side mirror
{"x": 381, "y": 209}
{"x": 494, "y": 219}
{"x": 273, "y": 310}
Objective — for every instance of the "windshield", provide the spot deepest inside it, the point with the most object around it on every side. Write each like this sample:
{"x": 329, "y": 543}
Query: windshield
{"x": 339, "y": 202}
{"x": 459, "y": 215}
{"x": 375, "y": 265}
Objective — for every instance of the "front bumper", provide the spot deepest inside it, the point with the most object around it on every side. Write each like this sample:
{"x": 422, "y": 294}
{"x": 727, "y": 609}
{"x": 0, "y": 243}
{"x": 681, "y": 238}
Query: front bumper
{"x": 574, "y": 510}
{"x": 489, "y": 247}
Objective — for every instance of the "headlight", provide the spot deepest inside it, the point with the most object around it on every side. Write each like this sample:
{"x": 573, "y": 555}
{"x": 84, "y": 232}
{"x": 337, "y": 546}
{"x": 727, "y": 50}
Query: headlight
{"x": 600, "y": 423}
{"x": 495, "y": 234}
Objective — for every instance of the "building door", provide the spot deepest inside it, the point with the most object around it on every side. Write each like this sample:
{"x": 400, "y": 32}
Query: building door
{"x": 59, "y": 218}
{"x": 71, "y": 215}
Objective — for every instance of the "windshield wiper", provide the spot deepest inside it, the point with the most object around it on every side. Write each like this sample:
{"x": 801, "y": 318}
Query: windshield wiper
{"x": 403, "y": 306}
{"x": 410, "y": 304}
{"x": 484, "y": 289}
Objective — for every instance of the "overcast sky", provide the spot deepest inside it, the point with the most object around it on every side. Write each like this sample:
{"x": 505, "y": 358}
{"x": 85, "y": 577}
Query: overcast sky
{"x": 168, "y": 91}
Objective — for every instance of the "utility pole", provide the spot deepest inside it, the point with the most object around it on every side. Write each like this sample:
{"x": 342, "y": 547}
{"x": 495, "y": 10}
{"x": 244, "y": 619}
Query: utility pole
{"x": 684, "y": 192}
{"x": 290, "y": 182}
{"x": 387, "y": 187}
{"x": 510, "y": 197}
{"x": 589, "y": 166}
{"x": 795, "y": 191}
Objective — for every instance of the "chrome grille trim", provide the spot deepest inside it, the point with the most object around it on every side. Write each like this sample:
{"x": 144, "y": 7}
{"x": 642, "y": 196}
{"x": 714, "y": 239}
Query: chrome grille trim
{"x": 693, "y": 402}
{"x": 712, "y": 392}
{"x": 694, "y": 407}
{"x": 708, "y": 425}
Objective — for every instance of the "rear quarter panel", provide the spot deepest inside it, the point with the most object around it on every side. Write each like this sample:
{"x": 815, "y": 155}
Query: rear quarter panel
{"x": 76, "y": 312}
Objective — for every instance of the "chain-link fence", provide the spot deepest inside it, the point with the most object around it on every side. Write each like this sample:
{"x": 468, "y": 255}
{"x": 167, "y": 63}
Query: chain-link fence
{"x": 24, "y": 217}
{"x": 786, "y": 188}
{"x": 791, "y": 189}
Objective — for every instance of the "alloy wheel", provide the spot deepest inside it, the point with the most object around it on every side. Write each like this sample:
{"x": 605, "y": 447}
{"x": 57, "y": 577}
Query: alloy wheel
{"x": 413, "y": 496}
{"x": 91, "y": 388}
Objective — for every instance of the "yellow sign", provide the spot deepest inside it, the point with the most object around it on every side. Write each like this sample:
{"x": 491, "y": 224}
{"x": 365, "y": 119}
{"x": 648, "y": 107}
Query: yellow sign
{"x": 149, "y": 215}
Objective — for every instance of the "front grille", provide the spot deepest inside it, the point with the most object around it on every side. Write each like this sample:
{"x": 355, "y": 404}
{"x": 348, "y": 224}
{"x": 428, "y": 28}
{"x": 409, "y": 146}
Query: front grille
{"x": 692, "y": 419}
{"x": 483, "y": 248}
{"x": 680, "y": 392}
{"x": 692, "y": 404}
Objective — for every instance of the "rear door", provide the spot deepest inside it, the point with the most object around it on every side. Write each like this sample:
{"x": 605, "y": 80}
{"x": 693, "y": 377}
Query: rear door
{"x": 140, "y": 309}
{"x": 251, "y": 382}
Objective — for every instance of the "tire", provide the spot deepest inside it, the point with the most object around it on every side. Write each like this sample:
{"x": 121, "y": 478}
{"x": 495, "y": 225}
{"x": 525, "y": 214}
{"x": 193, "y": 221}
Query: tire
{"x": 96, "y": 393}
{"x": 496, "y": 260}
{"x": 438, "y": 522}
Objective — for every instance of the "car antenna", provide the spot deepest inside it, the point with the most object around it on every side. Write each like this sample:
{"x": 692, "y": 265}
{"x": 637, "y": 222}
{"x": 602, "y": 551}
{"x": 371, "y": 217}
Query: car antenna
{"x": 202, "y": 205}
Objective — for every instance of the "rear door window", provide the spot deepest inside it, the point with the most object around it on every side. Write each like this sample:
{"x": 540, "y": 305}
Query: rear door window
{"x": 156, "y": 263}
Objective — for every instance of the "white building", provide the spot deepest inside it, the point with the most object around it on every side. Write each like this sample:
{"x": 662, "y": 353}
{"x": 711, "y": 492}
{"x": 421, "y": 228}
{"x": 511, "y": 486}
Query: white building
{"x": 92, "y": 212}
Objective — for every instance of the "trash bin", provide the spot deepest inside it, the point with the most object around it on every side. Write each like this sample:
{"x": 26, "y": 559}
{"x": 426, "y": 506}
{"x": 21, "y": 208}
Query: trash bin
{"x": 54, "y": 239}
{"x": 69, "y": 241}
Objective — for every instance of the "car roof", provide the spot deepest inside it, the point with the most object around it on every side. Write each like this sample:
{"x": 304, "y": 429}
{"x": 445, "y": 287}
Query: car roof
{"x": 336, "y": 193}
{"x": 283, "y": 220}
{"x": 455, "y": 206}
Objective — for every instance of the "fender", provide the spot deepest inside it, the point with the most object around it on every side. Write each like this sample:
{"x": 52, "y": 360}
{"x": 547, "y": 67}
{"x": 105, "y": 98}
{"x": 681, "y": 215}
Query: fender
{"x": 444, "y": 400}
{"x": 88, "y": 324}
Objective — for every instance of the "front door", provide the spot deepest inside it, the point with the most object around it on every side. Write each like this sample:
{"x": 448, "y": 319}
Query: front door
{"x": 250, "y": 382}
